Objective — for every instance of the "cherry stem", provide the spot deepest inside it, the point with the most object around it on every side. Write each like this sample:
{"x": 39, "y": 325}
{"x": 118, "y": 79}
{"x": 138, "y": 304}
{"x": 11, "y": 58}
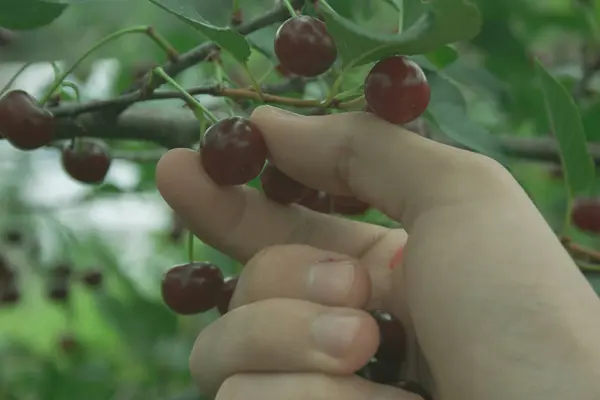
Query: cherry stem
{"x": 198, "y": 108}
{"x": 255, "y": 83}
{"x": 400, "y": 16}
{"x": 12, "y": 80}
{"x": 190, "y": 247}
{"x": 236, "y": 6}
{"x": 146, "y": 30}
{"x": 75, "y": 88}
{"x": 290, "y": 8}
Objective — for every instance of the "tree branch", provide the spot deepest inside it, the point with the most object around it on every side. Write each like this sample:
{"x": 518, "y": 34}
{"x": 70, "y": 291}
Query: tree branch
{"x": 179, "y": 128}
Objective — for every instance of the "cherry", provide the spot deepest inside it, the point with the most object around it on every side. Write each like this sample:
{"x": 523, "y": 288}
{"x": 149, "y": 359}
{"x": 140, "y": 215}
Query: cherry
{"x": 414, "y": 387}
{"x": 13, "y": 236}
{"x": 304, "y": 46}
{"x": 393, "y": 341}
{"x": 23, "y": 122}
{"x": 58, "y": 290}
{"x": 92, "y": 278}
{"x": 283, "y": 71}
{"x": 586, "y": 215}
{"x": 349, "y": 205}
{"x": 226, "y": 294}
{"x": 396, "y": 89}
{"x": 380, "y": 372}
{"x": 87, "y": 161}
{"x": 318, "y": 201}
{"x": 9, "y": 291}
{"x": 192, "y": 288}
{"x": 233, "y": 151}
{"x": 279, "y": 187}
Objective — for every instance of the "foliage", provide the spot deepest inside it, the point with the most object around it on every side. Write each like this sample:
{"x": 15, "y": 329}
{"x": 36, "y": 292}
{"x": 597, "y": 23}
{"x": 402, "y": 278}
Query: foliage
{"x": 514, "y": 80}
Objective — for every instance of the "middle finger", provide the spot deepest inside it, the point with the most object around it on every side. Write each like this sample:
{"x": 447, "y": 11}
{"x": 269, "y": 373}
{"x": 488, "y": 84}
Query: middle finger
{"x": 283, "y": 335}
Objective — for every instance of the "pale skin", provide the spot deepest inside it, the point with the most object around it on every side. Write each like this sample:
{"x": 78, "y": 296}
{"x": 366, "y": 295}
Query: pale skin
{"x": 499, "y": 309}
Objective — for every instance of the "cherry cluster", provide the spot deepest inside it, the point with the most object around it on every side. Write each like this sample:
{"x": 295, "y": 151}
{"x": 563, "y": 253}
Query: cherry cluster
{"x": 28, "y": 126}
{"x": 234, "y": 151}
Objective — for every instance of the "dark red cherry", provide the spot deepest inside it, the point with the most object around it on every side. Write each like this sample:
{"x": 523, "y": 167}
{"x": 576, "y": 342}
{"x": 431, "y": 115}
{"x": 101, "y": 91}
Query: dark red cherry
{"x": 414, "y": 387}
{"x": 585, "y": 215}
{"x": 396, "y": 89}
{"x": 349, "y": 205}
{"x": 380, "y": 372}
{"x": 87, "y": 161}
{"x": 192, "y": 288}
{"x": 279, "y": 187}
{"x": 304, "y": 46}
{"x": 393, "y": 341}
{"x": 23, "y": 122}
{"x": 92, "y": 278}
{"x": 226, "y": 294}
{"x": 233, "y": 151}
{"x": 318, "y": 201}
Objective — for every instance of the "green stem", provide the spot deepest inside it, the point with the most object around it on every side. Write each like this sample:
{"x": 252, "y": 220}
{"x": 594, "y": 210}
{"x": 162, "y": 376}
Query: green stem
{"x": 198, "y": 108}
{"x": 236, "y": 5}
{"x": 14, "y": 77}
{"x": 401, "y": 16}
{"x": 266, "y": 74}
{"x": 137, "y": 29}
{"x": 190, "y": 247}
{"x": 333, "y": 91}
{"x": 172, "y": 54}
{"x": 290, "y": 8}
{"x": 255, "y": 83}
{"x": 75, "y": 88}
{"x": 567, "y": 220}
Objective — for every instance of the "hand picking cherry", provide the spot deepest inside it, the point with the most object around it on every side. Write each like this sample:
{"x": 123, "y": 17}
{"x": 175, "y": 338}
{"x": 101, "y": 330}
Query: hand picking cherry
{"x": 233, "y": 151}
{"x": 396, "y": 90}
{"x": 279, "y": 187}
{"x": 318, "y": 201}
{"x": 87, "y": 161}
{"x": 192, "y": 288}
{"x": 304, "y": 47}
{"x": 586, "y": 215}
{"x": 349, "y": 205}
{"x": 23, "y": 122}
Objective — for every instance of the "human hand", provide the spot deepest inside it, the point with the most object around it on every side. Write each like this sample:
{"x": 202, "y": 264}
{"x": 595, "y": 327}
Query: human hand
{"x": 472, "y": 263}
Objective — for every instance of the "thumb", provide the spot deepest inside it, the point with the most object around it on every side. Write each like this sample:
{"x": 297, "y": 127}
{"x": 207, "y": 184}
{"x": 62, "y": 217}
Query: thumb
{"x": 396, "y": 171}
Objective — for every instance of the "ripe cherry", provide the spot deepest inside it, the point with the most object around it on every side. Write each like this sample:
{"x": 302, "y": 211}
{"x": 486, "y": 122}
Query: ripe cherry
{"x": 279, "y": 187}
{"x": 393, "y": 341}
{"x": 318, "y": 201}
{"x": 304, "y": 46}
{"x": 586, "y": 215}
{"x": 86, "y": 161}
{"x": 380, "y": 372}
{"x": 23, "y": 122}
{"x": 349, "y": 205}
{"x": 233, "y": 151}
{"x": 396, "y": 89}
{"x": 226, "y": 294}
{"x": 92, "y": 278}
{"x": 192, "y": 288}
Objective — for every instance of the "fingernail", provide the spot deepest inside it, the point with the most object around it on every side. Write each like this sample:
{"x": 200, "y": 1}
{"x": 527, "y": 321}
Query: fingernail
{"x": 330, "y": 283}
{"x": 334, "y": 333}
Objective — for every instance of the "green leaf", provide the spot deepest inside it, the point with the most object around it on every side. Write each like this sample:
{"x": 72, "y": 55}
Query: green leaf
{"x": 28, "y": 14}
{"x": 447, "y": 21}
{"x": 566, "y": 124}
{"x": 394, "y": 3}
{"x": 591, "y": 122}
{"x": 226, "y": 38}
{"x": 443, "y": 56}
{"x": 448, "y": 110}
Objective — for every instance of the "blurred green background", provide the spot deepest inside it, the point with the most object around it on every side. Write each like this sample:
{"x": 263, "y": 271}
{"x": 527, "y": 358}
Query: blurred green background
{"x": 119, "y": 341}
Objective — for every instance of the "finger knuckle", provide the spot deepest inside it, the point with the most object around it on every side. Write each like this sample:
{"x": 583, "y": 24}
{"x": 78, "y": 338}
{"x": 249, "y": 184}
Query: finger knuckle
{"x": 233, "y": 388}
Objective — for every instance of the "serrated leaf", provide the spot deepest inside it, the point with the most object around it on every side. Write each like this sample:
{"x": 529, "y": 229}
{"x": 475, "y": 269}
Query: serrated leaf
{"x": 28, "y": 14}
{"x": 448, "y": 110}
{"x": 226, "y": 38}
{"x": 446, "y": 21}
{"x": 566, "y": 124}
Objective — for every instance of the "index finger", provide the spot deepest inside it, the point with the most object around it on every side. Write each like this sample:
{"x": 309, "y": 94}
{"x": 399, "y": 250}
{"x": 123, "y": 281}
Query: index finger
{"x": 400, "y": 173}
